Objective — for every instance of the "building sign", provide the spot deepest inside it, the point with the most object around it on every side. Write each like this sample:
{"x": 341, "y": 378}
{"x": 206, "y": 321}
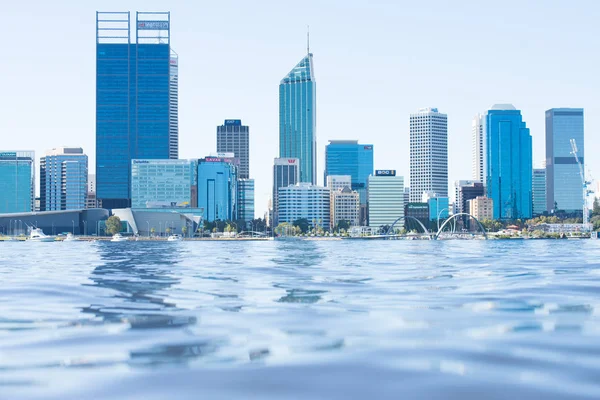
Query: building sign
{"x": 235, "y": 161}
{"x": 141, "y": 162}
{"x": 385, "y": 172}
{"x": 291, "y": 161}
{"x": 234, "y": 122}
{"x": 8, "y": 154}
{"x": 153, "y": 25}
{"x": 222, "y": 154}
{"x": 368, "y": 148}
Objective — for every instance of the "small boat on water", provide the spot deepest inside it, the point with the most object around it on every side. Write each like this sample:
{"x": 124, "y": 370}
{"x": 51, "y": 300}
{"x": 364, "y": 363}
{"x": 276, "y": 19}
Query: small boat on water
{"x": 70, "y": 238}
{"x": 175, "y": 238}
{"x": 118, "y": 238}
{"x": 37, "y": 235}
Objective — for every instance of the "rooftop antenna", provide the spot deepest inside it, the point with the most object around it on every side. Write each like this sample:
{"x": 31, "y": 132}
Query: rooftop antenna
{"x": 307, "y": 39}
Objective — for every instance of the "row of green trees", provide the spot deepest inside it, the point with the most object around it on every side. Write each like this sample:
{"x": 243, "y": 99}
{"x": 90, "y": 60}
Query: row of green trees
{"x": 303, "y": 226}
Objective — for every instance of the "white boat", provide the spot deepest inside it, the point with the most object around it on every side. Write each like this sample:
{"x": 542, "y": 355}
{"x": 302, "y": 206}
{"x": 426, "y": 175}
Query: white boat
{"x": 118, "y": 238}
{"x": 37, "y": 235}
{"x": 175, "y": 238}
{"x": 70, "y": 238}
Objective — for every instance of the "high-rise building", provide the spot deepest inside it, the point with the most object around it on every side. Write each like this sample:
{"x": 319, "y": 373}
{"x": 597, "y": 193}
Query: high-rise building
{"x": 481, "y": 208}
{"x": 305, "y": 201}
{"x": 136, "y": 99}
{"x": 428, "y": 153}
{"x": 286, "y": 171}
{"x": 163, "y": 183}
{"x": 385, "y": 194}
{"x": 563, "y": 183}
{"x": 297, "y": 118}
{"x": 348, "y": 157}
{"x": 233, "y": 137}
{"x": 246, "y": 199}
{"x": 338, "y": 182}
{"x": 17, "y": 180}
{"x": 345, "y": 206}
{"x": 63, "y": 179}
{"x": 465, "y": 191}
{"x": 91, "y": 199}
{"x": 538, "y": 188}
{"x": 509, "y": 163}
{"x": 479, "y": 147}
{"x": 217, "y": 188}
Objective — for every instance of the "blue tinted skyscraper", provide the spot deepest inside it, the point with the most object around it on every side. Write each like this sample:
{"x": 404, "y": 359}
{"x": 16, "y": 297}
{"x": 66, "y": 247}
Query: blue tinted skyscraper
{"x": 217, "y": 188}
{"x": 17, "y": 178}
{"x": 347, "y": 157}
{"x": 509, "y": 163}
{"x": 245, "y": 199}
{"x": 136, "y": 99}
{"x": 297, "y": 118}
{"x": 63, "y": 179}
{"x": 564, "y": 187}
{"x": 538, "y": 190}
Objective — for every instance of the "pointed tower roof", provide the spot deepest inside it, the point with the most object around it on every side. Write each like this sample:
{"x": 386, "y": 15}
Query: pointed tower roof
{"x": 302, "y": 72}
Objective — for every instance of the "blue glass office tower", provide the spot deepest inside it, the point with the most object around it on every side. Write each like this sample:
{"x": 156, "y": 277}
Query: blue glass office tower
{"x": 217, "y": 188}
{"x": 63, "y": 179}
{"x": 297, "y": 118}
{"x": 245, "y": 199}
{"x": 136, "y": 99}
{"x": 563, "y": 183}
{"x": 17, "y": 179}
{"x": 509, "y": 163}
{"x": 348, "y": 157}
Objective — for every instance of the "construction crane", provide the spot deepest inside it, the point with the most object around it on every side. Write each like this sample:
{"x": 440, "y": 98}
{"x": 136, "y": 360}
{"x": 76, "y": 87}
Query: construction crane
{"x": 584, "y": 183}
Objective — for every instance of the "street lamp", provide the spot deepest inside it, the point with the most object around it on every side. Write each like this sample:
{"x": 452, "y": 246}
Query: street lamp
{"x": 85, "y": 228}
{"x": 160, "y": 228}
{"x": 147, "y": 222}
{"x": 73, "y": 226}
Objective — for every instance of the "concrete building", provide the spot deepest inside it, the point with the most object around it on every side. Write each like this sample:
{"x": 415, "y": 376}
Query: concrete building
{"x": 91, "y": 199}
{"x": 159, "y": 221}
{"x": 479, "y": 148}
{"x": 233, "y": 137}
{"x": 419, "y": 211}
{"x": 563, "y": 183}
{"x": 304, "y": 200}
{"x": 286, "y": 171}
{"x": 338, "y": 182}
{"x": 466, "y": 190}
{"x": 345, "y": 206}
{"x": 164, "y": 183}
{"x": 245, "y": 199}
{"x": 63, "y": 179}
{"x": 17, "y": 181}
{"x": 481, "y": 208}
{"x": 78, "y": 222}
{"x": 217, "y": 188}
{"x": 428, "y": 153}
{"x": 385, "y": 193}
{"x": 539, "y": 191}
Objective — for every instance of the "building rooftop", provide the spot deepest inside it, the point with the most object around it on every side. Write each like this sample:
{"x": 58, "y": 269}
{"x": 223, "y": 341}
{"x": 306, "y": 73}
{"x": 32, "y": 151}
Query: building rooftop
{"x": 503, "y": 107}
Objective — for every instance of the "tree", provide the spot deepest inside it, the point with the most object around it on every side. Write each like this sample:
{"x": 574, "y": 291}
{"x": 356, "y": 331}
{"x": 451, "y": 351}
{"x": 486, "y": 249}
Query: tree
{"x": 153, "y": 231}
{"x": 596, "y": 207}
{"x": 184, "y": 230}
{"x": 167, "y": 230}
{"x": 113, "y": 225}
{"x": 284, "y": 229}
{"x": 303, "y": 224}
{"x": 343, "y": 224}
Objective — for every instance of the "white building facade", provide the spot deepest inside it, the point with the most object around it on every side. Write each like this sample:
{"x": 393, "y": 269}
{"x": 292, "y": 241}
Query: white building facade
{"x": 428, "y": 153}
{"x": 345, "y": 206}
{"x": 385, "y": 194}
{"x": 479, "y": 148}
{"x": 304, "y": 201}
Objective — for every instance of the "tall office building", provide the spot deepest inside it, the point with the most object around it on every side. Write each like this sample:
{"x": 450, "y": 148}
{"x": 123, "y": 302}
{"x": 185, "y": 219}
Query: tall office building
{"x": 233, "y": 137}
{"x": 563, "y": 183}
{"x": 338, "y": 182}
{"x": 63, "y": 179}
{"x": 17, "y": 180}
{"x": 297, "y": 118}
{"x": 482, "y": 208}
{"x": 163, "y": 183}
{"x": 538, "y": 189}
{"x": 217, "y": 188}
{"x": 385, "y": 192}
{"x": 286, "y": 171}
{"x": 428, "y": 153}
{"x": 465, "y": 191}
{"x": 91, "y": 199}
{"x": 509, "y": 163}
{"x": 305, "y": 201}
{"x": 479, "y": 154}
{"x": 348, "y": 157}
{"x": 136, "y": 99}
{"x": 245, "y": 199}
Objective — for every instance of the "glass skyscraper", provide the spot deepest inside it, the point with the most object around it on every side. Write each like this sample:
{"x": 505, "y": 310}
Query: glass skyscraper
{"x": 217, "y": 189}
{"x": 233, "y": 137}
{"x": 538, "y": 189}
{"x": 245, "y": 199}
{"x": 348, "y": 157}
{"x": 163, "y": 183}
{"x": 286, "y": 172}
{"x": 63, "y": 179}
{"x": 297, "y": 118}
{"x": 17, "y": 177}
{"x": 509, "y": 163}
{"x": 563, "y": 182}
{"x": 136, "y": 99}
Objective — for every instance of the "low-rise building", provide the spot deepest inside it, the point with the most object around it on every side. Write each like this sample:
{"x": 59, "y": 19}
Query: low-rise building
{"x": 304, "y": 201}
{"x": 345, "y": 206}
{"x": 481, "y": 208}
{"x": 164, "y": 182}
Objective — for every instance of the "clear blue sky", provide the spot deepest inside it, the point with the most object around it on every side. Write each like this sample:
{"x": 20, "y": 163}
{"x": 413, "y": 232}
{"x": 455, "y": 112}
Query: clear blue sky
{"x": 376, "y": 62}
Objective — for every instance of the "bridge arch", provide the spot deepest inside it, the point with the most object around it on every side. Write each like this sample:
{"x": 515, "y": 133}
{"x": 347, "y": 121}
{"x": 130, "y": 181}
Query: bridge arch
{"x": 453, "y": 217}
{"x": 390, "y": 231}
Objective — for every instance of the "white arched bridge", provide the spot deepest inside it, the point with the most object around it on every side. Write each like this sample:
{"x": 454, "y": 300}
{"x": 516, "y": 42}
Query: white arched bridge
{"x": 448, "y": 223}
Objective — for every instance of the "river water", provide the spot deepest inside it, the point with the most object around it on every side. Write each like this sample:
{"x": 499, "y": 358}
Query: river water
{"x": 300, "y": 319}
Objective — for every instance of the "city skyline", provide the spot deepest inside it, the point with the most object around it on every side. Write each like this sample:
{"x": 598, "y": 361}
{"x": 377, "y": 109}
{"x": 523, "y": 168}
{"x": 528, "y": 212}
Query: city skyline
{"x": 368, "y": 101}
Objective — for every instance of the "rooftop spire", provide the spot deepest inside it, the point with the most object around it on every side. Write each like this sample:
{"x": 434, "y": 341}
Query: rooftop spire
{"x": 307, "y": 39}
